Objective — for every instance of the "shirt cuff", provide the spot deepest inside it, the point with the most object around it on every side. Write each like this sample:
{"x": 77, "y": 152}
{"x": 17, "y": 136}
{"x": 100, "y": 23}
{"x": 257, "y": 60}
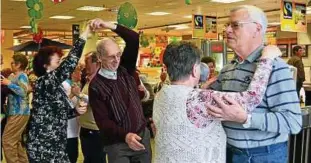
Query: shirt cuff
{"x": 257, "y": 121}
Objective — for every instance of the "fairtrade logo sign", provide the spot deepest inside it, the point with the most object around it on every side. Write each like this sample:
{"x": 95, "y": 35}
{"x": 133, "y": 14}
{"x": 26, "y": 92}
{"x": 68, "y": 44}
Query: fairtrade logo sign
{"x": 288, "y": 10}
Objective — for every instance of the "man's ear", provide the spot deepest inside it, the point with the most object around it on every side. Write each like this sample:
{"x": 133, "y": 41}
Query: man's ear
{"x": 258, "y": 30}
{"x": 194, "y": 70}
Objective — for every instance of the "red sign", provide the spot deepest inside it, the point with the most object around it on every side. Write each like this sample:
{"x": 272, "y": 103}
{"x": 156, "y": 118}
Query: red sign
{"x": 217, "y": 48}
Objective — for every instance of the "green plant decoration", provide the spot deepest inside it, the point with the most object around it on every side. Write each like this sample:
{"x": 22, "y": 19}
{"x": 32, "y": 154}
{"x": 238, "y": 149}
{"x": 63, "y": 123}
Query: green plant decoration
{"x": 144, "y": 42}
{"x": 35, "y": 8}
{"x": 127, "y": 15}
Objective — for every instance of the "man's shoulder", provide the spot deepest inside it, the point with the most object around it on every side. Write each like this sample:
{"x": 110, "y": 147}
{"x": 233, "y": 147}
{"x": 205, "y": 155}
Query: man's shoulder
{"x": 279, "y": 63}
{"x": 227, "y": 67}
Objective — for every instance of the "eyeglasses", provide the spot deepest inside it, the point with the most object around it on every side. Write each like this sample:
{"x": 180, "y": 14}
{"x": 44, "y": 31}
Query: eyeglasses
{"x": 236, "y": 25}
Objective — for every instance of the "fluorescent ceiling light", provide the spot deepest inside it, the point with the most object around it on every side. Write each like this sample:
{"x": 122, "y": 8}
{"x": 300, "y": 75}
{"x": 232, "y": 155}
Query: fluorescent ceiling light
{"x": 25, "y": 27}
{"x": 61, "y": 17}
{"x": 91, "y": 8}
{"x": 274, "y": 23}
{"x": 308, "y": 10}
{"x": 158, "y": 13}
{"x": 179, "y": 27}
{"x": 226, "y": 1}
{"x": 188, "y": 16}
{"x": 19, "y": 0}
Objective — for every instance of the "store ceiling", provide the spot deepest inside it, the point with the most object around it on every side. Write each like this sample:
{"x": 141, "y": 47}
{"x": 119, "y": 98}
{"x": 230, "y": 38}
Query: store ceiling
{"x": 14, "y": 13}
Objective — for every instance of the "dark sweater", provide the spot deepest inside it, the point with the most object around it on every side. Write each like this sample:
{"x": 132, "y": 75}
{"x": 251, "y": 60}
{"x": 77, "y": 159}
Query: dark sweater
{"x": 115, "y": 103}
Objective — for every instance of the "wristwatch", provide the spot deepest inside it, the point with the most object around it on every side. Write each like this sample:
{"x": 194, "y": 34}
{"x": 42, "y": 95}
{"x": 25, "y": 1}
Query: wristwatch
{"x": 247, "y": 124}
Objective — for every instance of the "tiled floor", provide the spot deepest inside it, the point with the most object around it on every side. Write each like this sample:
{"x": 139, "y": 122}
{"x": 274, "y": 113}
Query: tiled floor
{"x": 80, "y": 158}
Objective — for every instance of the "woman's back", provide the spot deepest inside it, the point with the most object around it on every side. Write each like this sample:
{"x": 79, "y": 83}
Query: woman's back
{"x": 178, "y": 139}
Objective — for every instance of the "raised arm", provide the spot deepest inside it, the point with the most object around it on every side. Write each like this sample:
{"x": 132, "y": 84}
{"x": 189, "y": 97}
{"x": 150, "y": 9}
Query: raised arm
{"x": 67, "y": 67}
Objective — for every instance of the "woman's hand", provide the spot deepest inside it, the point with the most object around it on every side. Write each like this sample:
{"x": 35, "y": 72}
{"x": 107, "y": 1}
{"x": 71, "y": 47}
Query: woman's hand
{"x": 5, "y": 81}
{"x": 271, "y": 52}
{"x": 87, "y": 33}
{"x": 100, "y": 24}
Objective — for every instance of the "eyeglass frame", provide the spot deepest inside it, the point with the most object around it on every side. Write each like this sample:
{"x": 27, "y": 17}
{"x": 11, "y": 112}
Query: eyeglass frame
{"x": 238, "y": 24}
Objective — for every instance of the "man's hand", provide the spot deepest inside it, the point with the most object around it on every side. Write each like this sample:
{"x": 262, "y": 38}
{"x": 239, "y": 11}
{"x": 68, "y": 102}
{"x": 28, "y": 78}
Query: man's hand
{"x": 81, "y": 110}
{"x": 153, "y": 127}
{"x": 100, "y": 24}
{"x": 227, "y": 112}
{"x": 132, "y": 140}
{"x": 141, "y": 88}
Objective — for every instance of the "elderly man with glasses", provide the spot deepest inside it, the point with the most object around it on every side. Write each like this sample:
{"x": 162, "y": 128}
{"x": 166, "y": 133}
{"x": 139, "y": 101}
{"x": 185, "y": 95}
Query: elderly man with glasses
{"x": 263, "y": 135}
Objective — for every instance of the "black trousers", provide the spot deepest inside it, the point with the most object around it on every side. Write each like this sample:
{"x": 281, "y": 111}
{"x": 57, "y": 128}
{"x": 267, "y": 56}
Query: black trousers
{"x": 72, "y": 149}
{"x": 92, "y": 148}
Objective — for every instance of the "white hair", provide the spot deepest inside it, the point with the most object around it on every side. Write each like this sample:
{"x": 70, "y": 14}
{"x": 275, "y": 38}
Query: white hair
{"x": 100, "y": 45}
{"x": 255, "y": 14}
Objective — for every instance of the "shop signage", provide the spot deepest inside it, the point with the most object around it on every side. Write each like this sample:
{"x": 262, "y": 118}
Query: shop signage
{"x": 211, "y": 27}
{"x": 198, "y": 26}
{"x": 204, "y": 27}
{"x": 75, "y": 33}
{"x": 293, "y": 16}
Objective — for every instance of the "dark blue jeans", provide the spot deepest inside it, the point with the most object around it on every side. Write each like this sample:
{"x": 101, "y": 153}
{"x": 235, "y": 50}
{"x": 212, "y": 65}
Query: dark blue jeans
{"x": 276, "y": 153}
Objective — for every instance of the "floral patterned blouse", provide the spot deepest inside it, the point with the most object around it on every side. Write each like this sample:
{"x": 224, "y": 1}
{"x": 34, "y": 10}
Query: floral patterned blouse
{"x": 186, "y": 132}
{"x": 18, "y": 100}
{"x": 51, "y": 110}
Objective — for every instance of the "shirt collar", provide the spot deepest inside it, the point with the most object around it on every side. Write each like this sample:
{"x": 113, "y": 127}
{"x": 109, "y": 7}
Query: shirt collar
{"x": 252, "y": 57}
{"x": 108, "y": 74}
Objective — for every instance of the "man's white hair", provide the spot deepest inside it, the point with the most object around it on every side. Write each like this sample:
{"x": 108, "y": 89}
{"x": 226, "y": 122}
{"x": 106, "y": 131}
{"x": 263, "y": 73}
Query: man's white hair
{"x": 100, "y": 45}
{"x": 255, "y": 14}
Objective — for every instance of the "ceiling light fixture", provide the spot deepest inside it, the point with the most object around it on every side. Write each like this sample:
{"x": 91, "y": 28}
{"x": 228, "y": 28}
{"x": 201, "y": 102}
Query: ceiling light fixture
{"x": 179, "y": 27}
{"x": 91, "y": 8}
{"x": 61, "y": 17}
{"x": 226, "y": 1}
{"x": 19, "y": 0}
{"x": 158, "y": 13}
{"x": 25, "y": 27}
{"x": 188, "y": 16}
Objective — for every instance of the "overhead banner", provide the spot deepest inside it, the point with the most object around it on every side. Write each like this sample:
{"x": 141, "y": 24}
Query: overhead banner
{"x": 211, "y": 27}
{"x": 293, "y": 16}
{"x": 75, "y": 33}
{"x": 198, "y": 26}
{"x": 204, "y": 27}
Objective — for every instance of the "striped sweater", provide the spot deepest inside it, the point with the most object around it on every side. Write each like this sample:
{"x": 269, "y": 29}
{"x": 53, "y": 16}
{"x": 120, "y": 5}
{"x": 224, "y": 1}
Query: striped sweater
{"x": 276, "y": 117}
{"x": 115, "y": 102}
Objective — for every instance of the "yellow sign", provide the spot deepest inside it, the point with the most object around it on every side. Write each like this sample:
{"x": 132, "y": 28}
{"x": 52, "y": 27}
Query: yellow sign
{"x": 198, "y": 26}
{"x": 211, "y": 27}
{"x": 293, "y": 16}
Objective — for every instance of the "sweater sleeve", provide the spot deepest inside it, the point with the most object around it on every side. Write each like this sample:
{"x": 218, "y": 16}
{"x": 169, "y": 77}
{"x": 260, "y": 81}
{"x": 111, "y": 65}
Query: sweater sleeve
{"x": 130, "y": 53}
{"x": 249, "y": 99}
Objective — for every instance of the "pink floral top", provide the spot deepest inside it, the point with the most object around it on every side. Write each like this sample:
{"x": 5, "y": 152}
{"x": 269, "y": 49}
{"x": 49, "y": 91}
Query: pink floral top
{"x": 249, "y": 99}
